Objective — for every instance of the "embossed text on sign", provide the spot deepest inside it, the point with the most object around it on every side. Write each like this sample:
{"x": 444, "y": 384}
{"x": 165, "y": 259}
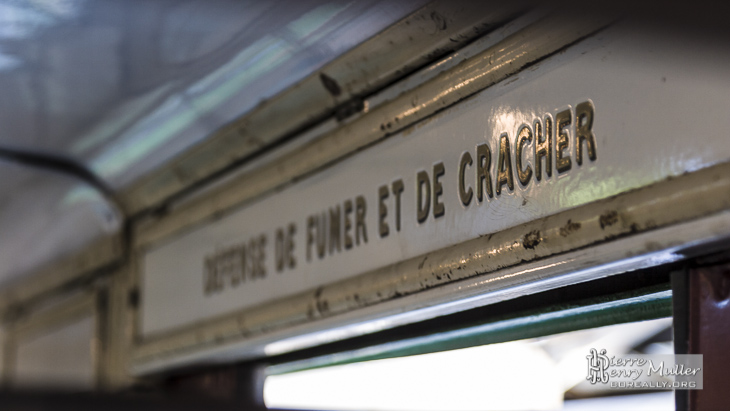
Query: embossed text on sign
{"x": 543, "y": 144}
{"x": 635, "y": 141}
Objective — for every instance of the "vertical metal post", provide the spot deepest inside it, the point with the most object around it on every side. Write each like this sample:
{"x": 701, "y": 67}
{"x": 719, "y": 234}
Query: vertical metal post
{"x": 250, "y": 388}
{"x": 116, "y": 332}
{"x": 241, "y": 384}
{"x": 100, "y": 342}
{"x": 705, "y": 316}
{"x": 680, "y": 323}
{"x": 9, "y": 350}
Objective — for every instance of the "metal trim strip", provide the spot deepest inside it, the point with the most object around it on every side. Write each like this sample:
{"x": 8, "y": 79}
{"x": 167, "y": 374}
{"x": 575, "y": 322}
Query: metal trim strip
{"x": 622, "y": 308}
{"x": 98, "y": 256}
{"x": 507, "y": 57}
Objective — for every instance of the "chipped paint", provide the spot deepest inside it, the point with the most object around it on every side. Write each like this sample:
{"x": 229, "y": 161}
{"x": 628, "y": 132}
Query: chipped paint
{"x": 330, "y": 84}
{"x": 569, "y": 228}
{"x": 608, "y": 219}
{"x": 531, "y": 239}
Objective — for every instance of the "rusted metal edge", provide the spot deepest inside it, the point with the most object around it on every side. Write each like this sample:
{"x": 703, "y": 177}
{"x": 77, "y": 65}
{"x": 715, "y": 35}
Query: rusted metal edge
{"x": 436, "y": 29}
{"x": 649, "y": 224}
{"x": 498, "y": 62}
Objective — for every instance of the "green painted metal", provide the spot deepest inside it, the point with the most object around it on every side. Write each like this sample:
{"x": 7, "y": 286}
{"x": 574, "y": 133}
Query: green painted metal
{"x": 638, "y": 305}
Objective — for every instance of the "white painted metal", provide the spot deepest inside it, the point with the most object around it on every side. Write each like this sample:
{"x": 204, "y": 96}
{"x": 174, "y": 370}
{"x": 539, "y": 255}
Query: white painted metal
{"x": 61, "y": 358}
{"x": 54, "y": 346}
{"x": 656, "y": 116}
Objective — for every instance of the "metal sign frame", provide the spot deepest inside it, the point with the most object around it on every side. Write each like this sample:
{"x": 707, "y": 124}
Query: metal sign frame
{"x": 48, "y": 318}
{"x": 644, "y": 227}
{"x": 299, "y": 321}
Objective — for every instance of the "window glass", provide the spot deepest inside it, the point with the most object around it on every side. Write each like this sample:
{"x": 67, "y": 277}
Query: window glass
{"x": 547, "y": 373}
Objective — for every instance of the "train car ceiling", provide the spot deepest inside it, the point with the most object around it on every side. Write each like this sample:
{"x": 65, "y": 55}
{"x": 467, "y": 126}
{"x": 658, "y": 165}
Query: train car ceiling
{"x": 148, "y": 101}
{"x": 206, "y": 182}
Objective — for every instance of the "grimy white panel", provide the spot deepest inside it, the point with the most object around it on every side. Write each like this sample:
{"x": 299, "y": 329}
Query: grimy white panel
{"x": 61, "y": 358}
{"x": 655, "y": 103}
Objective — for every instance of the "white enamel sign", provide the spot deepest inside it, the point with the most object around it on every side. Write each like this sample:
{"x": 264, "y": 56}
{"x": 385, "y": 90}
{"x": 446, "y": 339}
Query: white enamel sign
{"x": 618, "y": 111}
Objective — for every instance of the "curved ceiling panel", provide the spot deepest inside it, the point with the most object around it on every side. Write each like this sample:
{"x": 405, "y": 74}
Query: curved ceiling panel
{"x": 122, "y": 86}
{"x": 45, "y": 217}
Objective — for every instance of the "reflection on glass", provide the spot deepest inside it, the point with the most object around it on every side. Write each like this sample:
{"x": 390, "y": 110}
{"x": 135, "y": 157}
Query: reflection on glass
{"x": 546, "y": 373}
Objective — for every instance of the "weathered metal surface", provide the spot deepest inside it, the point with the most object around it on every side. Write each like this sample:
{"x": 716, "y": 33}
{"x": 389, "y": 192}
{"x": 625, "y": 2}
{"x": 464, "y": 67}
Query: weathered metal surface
{"x": 436, "y": 29}
{"x": 644, "y": 227}
{"x": 489, "y": 67}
